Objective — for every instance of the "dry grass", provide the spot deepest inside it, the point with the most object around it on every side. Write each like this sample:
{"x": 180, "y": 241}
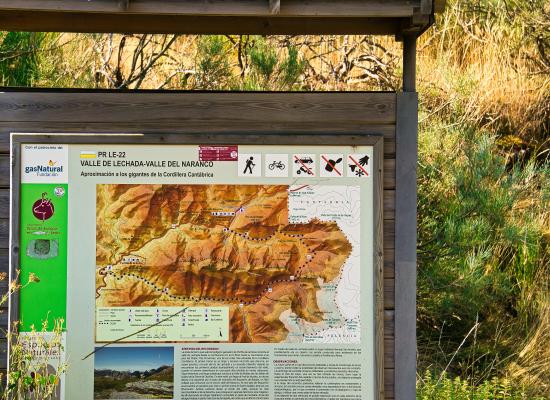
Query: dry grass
{"x": 484, "y": 68}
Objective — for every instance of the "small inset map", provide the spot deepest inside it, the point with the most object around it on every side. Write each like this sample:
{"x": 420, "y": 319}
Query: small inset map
{"x": 284, "y": 270}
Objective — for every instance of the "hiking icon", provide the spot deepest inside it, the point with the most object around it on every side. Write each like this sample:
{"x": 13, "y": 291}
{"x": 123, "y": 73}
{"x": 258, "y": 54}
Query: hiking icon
{"x": 249, "y": 165}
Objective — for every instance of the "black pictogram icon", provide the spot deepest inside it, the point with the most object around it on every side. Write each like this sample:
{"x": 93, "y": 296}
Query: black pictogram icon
{"x": 249, "y": 166}
{"x": 277, "y": 164}
{"x": 364, "y": 161}
{"x": 357, "y": 165}
{"x": 303, "y": 165}
{"x": 357, "y": 171}
{"x": 305, "y": 160}
{"x": 331, "y": 164}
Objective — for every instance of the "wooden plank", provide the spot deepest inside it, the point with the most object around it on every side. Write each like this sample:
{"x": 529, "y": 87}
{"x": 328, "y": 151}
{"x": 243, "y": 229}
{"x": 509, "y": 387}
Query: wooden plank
{"x": 389, "y": 174}
{"x": 389, "y": 293}
{"x": 389, "y": 383}
{"x": 389, "y": 324}
{"x": 4, "y": 202}
{"x": 201, "y": 111}
{"x": 389, "y": 235}
{"x": 389, "y": 204}
{"x": 4, "y": 268}
{"x": 3, "y": 354}
{"x": 389, "y": 358}
{"x": 4, "y": 170}
{"x": 389, "y": 147}
{"x": 389, "y": 262}
{"x": 405, "y": 246}
{"x": 378, "y": 264}
{"x": 4, "y": 142}
{"x": 14, "y": 244}
{"x": 3, "y": 318}
{"x": 4, "y": 232}
{"x": 229, "y": 8}
{"x": 47, "y": 21}
{"x": 304, "y": 127}
{"x": 386, "y": 130}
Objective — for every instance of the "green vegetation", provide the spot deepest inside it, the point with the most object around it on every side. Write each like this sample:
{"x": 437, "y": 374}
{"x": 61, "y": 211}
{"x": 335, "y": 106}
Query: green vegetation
{"x": 20, "y": 54}
{"x": 431, "y": 387}
{"x": 484, "y": 152}
{"x": 259, "y": 66}
{"x": 32, "y": 375}
{"x": 484, "y": 203}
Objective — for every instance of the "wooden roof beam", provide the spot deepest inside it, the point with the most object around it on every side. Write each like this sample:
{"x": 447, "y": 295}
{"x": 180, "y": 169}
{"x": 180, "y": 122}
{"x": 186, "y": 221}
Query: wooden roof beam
{"x": 256, "y": 8}
{"x": 379, "y": 17}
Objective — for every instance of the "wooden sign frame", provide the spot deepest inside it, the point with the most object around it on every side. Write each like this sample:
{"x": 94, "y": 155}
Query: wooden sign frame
{"x": 376, "y": 140}
{"x": 326, "y": 116}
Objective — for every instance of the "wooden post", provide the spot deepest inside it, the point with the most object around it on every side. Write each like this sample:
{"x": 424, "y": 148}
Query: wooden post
{"x": 409, "y": 63}
{"x": 405, "y": 227}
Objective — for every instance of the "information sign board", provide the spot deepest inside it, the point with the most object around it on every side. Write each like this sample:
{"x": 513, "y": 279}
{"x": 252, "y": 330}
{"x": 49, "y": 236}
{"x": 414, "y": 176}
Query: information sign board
{"x": 210, "y": 268}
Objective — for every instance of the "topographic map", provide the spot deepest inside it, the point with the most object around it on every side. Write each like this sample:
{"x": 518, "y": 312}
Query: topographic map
{"x": 283, "y": 259}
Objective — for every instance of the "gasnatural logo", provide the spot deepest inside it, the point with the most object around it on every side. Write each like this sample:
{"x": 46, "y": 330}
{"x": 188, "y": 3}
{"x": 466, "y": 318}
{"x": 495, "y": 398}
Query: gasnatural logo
{"x": 51, "y": 169}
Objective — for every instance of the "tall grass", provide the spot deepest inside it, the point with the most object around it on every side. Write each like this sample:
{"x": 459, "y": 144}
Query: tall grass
{"x": 484, "y": 191}
{"x": 435, "y": 388}
{"x": 484, "y": 264}
{"x": 20, "y": 54}
{"x": 486, "y": 62}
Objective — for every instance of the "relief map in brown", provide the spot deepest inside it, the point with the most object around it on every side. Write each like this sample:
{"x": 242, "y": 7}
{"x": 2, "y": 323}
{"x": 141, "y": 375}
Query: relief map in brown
{"x": 214, "y": 245}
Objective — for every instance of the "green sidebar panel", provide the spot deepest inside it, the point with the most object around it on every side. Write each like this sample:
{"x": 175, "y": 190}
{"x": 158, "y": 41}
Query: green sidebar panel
{"x": 43, "y": 274}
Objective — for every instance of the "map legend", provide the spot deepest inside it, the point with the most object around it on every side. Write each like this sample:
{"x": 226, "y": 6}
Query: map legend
{"x": 167, "y": 324}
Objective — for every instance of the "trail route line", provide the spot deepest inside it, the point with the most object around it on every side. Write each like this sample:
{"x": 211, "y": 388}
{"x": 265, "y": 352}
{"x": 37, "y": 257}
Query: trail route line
{"x": 245, "y": 247}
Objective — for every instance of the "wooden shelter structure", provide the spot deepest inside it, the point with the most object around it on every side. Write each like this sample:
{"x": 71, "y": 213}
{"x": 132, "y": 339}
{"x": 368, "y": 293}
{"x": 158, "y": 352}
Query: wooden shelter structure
{"x": 391, "y": 114}
{"x": 269, "y": 17}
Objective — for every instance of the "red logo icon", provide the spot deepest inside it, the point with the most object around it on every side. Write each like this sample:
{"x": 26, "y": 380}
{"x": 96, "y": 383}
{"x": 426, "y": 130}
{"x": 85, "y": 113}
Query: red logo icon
{"x": 43, "y": 209}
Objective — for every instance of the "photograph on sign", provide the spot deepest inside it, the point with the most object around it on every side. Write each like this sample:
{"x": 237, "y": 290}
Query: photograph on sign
{"x": 256, "y": 257}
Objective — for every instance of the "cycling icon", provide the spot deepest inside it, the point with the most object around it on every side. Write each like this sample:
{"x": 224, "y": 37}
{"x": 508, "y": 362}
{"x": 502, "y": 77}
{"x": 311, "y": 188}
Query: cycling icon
{"x": 276, "y": 165}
